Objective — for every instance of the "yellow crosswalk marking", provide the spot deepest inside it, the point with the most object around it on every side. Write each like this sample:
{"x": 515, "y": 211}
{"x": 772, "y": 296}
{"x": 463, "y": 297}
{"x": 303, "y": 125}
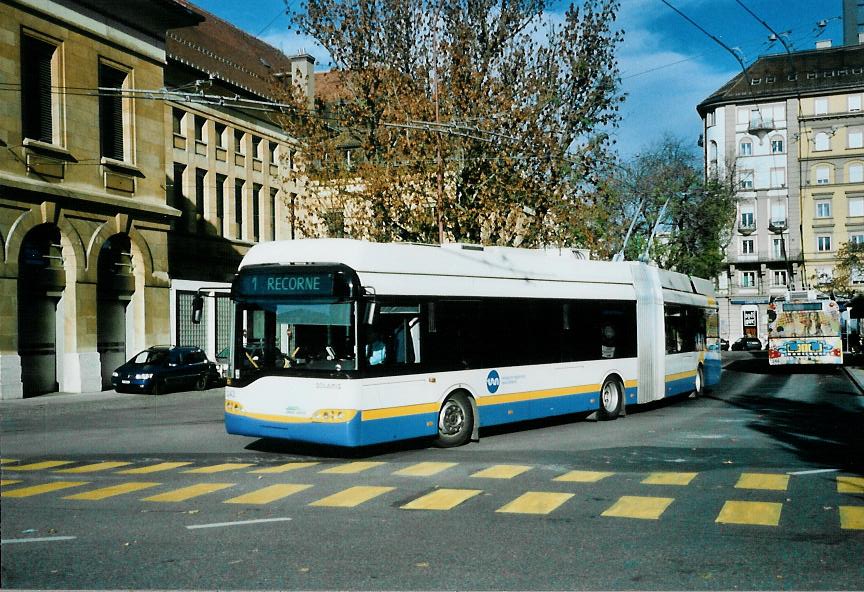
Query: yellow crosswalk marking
{"x": 6, "y": 461}
{"x": 756, "y": 513}
{"x": 583, "y": 476}
{"x": 218, "y": 468}
{"x": 850, "y": 484}
{"x": 352, "y": 467}
{"x": 94, "y": 468}
{"x": 351, "y": 497}
{"x": 106, "y": 492}
{"x": 852, "y": 517}
{"x": 48, "y": 464}
{"x": 286, "y": 467}
{"x": 442, "y": 499}
{"x": 535, "y": 502}
{"x": 501, "y": 472}
{"x": 40, "y": 489}
{"x": 9, "y": 482}
{"x": 644, "y": 508}
{"x": 669, "y": 478}
{"x": 425, "y": 469}
{"x": 770, "y": 481}
{"x": 268, "y": 494}
{"x": 186, "y": 493}
{"x": 157, "y": 468}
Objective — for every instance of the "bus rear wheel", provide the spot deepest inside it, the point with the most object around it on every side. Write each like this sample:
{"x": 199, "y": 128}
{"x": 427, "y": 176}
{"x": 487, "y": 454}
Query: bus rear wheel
{"x": 611, "y": 399}
{"x": 699, "y": 387}
{"x": 455, "y": 421}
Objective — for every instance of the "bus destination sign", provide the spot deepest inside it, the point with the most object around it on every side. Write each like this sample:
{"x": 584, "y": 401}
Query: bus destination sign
{"x": 286, "y": 284}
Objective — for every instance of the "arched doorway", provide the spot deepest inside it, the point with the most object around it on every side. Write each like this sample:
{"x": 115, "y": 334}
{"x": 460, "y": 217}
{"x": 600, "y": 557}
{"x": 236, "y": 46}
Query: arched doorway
{"x": 41, "y": 280}
{"x": 115, "y": 287}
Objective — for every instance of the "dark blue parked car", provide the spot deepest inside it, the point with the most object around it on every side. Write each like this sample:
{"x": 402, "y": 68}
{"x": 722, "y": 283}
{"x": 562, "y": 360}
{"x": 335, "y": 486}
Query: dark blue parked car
{"x": 163, "y": 367}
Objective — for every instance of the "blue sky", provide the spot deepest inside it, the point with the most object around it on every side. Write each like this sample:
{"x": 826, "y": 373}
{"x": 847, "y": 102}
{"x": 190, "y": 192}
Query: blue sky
{"x": 667, "y": 65}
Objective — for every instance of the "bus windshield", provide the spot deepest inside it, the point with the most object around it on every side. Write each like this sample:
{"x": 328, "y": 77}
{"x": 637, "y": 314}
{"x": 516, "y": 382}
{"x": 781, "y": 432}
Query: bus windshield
{"x": 278, "y": 336}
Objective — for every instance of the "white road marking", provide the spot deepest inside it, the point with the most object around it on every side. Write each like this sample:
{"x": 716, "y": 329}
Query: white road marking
{"x": 238, "y": 523}
{"x": 37, "y": 540}
{"x": 814, "y": 472}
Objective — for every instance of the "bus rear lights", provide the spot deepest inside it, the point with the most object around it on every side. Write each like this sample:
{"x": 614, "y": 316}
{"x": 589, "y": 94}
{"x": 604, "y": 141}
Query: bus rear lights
{"x": 836, "y": 352}
{"x": 334, "y": 415}
{"x": 773, "y": 353}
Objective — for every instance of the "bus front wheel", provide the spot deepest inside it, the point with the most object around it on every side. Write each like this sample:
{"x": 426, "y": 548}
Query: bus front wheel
{"x": 611, "y": 399}
{"x": 455, "y": 421}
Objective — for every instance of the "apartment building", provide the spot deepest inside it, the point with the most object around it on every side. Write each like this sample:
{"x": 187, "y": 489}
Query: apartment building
{"x": 790, "y": 132}
{"x": 232, "y": 170}
{"x": 83, "y": 215}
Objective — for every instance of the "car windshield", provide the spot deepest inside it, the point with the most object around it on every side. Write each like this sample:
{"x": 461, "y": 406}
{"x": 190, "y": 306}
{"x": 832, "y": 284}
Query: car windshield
{"x": 304, "y": 335}
{"x": 151, "y": 356}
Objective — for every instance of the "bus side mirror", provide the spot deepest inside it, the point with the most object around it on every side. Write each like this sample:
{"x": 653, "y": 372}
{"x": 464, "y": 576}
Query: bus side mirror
{"x": 197, "y": 308}
{"x": 371, "y": 313}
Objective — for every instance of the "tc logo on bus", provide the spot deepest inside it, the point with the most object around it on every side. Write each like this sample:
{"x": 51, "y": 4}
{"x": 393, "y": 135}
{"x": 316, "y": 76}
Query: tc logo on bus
{"x": 493, "y": 381}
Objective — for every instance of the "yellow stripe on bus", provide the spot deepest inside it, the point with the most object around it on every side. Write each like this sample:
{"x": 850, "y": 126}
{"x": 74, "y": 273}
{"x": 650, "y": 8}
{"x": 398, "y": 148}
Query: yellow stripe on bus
{"x": 543, "y": 394}
{"x": 680, "y": 375}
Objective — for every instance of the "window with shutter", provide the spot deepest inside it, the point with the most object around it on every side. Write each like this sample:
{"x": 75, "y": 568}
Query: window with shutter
{"x": 111, "y": 111}
{"x": 36, "y": 108}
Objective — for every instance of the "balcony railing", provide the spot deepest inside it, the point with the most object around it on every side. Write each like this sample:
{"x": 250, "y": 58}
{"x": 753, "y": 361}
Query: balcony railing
{"x": 747, "y": 229}
{"x": 778, "y": 225}
{"x": 759, "y": 126}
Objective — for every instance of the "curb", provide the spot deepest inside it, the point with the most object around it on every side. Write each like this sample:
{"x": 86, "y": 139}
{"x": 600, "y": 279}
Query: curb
{"x": 856, "y": 377}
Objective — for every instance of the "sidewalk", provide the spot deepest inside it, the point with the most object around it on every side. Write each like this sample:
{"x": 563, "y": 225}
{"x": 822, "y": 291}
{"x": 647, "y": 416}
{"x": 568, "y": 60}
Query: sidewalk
{"x": 853, "y": 365}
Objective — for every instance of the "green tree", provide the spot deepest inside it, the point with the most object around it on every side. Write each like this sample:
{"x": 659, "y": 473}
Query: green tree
{"x": 666, "y": 184}
{"x": 475, "y": 121}
{"x": 848, "y": 270}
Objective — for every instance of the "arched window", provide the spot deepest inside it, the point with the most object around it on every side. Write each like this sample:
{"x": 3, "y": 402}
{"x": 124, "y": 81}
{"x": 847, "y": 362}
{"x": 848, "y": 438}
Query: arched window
{"x": 778, "y": 146}
{"x": 823, "y": 174}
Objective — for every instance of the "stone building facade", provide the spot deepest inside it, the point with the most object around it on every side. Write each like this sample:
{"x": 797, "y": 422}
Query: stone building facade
{"x": 84, "y": 222}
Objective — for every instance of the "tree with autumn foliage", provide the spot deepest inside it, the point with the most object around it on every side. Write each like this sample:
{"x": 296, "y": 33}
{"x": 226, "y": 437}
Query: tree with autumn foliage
{"x": 479, "y": 121}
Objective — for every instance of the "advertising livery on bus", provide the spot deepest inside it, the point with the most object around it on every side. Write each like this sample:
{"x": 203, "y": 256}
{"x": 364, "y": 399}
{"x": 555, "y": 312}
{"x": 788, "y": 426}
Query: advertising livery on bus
{"x": 352, "y": 343}
{"x": 804, "y": 330}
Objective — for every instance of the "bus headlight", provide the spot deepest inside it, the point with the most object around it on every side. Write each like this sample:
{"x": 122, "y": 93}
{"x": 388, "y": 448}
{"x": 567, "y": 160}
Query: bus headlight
{"x": 233, "y": 407}
{"x": 334, "y": 415}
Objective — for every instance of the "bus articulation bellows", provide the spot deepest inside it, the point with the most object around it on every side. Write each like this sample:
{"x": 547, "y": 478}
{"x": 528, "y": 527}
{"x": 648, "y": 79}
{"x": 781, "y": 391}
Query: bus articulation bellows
{"x": 352, "y": 343}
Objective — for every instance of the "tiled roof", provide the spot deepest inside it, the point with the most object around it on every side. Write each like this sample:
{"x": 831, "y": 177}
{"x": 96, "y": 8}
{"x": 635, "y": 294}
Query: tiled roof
{"x": 805, "y": 73}
{"x": 221, "y": 50}
{"x": 332, "y": 86}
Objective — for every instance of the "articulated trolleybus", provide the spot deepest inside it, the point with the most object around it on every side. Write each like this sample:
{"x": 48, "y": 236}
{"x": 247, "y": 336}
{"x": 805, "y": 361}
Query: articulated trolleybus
{"x": 804, "y": 330}
{"x": 353, "y": 343}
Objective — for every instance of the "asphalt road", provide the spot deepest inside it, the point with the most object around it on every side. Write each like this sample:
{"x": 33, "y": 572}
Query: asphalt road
{"x": 759, "y": 485}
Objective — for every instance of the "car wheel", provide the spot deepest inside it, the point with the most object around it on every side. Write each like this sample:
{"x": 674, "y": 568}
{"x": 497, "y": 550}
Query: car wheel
{"x": 201, "y": 383}
{"x": 158, "y": 388}
{"x": 455, "y": 421}
{"x": 611, "y": 399}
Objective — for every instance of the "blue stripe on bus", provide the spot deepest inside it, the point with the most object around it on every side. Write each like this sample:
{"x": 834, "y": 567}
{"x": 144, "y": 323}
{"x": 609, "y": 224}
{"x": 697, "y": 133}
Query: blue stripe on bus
{"x": 377, "y": 431}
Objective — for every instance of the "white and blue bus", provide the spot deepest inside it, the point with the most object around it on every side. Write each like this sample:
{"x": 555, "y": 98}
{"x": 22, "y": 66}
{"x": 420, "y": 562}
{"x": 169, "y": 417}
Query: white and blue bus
{"x": 352, "y": 343}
